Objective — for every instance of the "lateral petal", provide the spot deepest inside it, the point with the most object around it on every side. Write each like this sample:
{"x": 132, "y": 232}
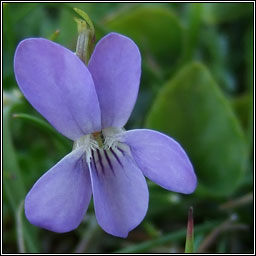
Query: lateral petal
{"x": 162, "y": 160}
{"x": 58, "y": 85}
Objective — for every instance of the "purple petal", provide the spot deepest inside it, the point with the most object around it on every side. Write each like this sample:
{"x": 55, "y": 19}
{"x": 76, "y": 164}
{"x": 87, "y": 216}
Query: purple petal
{"x": 120, "y": 192}
{"x": 58, "y": 85}
{"x": 162, "y": 160}
{"x": 115, "y": 66}
{"x": 59, "y": 199}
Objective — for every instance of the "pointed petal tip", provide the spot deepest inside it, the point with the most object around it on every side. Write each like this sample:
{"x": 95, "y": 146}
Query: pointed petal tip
{"x": 124, "y": 233}
{"x": 117, "y": 234}
{"x": 190, "y": 186}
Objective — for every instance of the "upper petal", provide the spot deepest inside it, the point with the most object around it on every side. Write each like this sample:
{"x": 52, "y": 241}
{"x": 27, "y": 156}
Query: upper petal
{"x": 120, "y": 192}
{"x": 115, "y": 66}
{"x": 162, "y": 160}
{"x": 59, "y": 199}
{"x": 58, "y": 85}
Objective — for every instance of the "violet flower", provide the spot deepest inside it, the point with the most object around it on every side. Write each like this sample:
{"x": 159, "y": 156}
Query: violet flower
{"x": 90, "y": 105}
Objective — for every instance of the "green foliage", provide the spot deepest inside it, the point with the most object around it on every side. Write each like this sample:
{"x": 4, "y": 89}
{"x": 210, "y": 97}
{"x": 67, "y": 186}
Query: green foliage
{"x": 226, "y": 12}
{"x": 14, "y": 189}
{"x": 192, "y": 109}
{"x": 196, "y": 86}
{"x": 13, "y": 183}
{"x": 145, "y": 25}
{"x": 171, "y": 237}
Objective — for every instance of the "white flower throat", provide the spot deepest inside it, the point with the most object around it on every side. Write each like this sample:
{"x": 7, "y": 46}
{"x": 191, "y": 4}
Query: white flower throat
{"x": 103, "y": 148}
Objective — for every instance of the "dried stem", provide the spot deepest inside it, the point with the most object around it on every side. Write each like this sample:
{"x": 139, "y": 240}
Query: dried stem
{"x": 223, "y": 227}
{"x": 237, "y": 202}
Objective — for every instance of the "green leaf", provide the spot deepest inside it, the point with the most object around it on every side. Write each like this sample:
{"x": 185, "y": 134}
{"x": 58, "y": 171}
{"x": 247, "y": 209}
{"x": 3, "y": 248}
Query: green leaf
{"x": 192, "y": 30}
{"x": 215, "y": 49}
{"x": 249, "y": 81}
{"x": 192, "y": 109}
{"x": 249, "y": 57}
{"x": 13, "y": 183}
{"x": 215, "y": 13}
{"x": 14, "y": 189}
{"x": 154, "y": 29}
{"x": 44, "y": 126}
{"x": 243, "y": 107}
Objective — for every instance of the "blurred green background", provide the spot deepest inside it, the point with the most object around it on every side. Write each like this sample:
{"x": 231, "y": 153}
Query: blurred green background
{"x": 196, "y": 86}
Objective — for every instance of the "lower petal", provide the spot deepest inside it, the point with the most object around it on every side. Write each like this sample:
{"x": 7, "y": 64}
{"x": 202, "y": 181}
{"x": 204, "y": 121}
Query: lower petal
{"x": 120, "y": 191}
{"x": 162, "y": 160}
{"x": 59, "y": 199}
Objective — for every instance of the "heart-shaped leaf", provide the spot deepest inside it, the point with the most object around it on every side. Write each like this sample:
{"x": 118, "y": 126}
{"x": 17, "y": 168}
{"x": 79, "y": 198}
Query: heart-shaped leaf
{"x": 192, "y": 109}
{"x": 155, "y": 30}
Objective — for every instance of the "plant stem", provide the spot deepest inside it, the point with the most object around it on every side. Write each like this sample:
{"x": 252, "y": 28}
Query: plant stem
{"x": 173, "y": 236}
{"x": 20, "y": 235}
{"x": 189, "y": 247}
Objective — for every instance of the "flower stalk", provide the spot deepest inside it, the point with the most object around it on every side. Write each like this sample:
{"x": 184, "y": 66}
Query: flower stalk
{"x": 86, "y": 36}
{"x": 189, "y": 247}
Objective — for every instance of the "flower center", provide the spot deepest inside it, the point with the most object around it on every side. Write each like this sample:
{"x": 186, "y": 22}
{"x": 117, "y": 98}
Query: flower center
{"x": 105, "y": 140}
